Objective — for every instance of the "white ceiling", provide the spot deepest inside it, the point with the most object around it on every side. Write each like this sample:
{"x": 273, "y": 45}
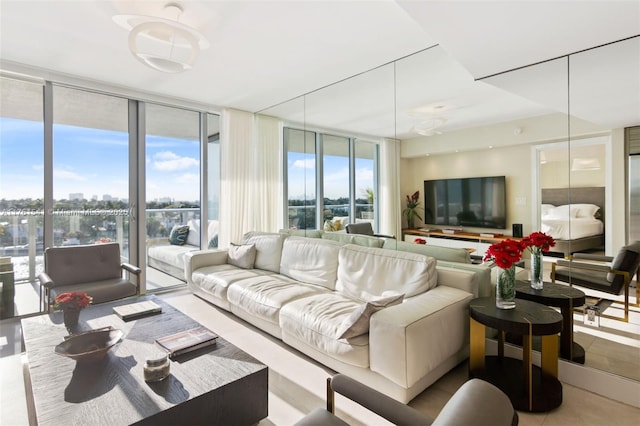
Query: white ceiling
{"x": 264, "y": 53}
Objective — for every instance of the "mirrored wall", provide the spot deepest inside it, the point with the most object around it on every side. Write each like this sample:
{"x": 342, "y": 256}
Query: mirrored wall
{"x": 555, "y": 130}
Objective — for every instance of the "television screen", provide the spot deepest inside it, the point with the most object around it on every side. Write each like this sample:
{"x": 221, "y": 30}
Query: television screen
{"x": 472, "y": 202}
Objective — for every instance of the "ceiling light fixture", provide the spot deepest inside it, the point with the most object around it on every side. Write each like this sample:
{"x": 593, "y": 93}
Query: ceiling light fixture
{"x": 429, "y": 127}
{"x": 163, "y": 44}
{"x": 585, "y": 164}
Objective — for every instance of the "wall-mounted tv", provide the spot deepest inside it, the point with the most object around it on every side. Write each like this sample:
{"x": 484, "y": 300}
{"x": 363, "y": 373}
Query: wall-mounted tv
{"x": 472, "y": 202}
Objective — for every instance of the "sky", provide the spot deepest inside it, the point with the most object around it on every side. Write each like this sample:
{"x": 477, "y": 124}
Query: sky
{"x": 302, "y": 169}
{"x": 93, "y": 162}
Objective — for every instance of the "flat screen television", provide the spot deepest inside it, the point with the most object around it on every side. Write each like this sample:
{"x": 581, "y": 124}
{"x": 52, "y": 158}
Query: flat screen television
{"x": 472, "y": 202}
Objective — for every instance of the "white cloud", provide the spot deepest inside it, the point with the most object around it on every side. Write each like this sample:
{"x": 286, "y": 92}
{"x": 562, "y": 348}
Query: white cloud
{"x": 67, "y": 175}
{"x": 168, "y": 161}
{"x": 341, "y": 176}
{"x": 189, "y": 178}
{"x": 308, "y": 163}
{"x": 364, "y": 175}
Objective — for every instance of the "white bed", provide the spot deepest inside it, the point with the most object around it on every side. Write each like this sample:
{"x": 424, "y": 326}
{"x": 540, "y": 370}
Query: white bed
{"x": 577, "y": 226}
{"x": 563, "y": 229}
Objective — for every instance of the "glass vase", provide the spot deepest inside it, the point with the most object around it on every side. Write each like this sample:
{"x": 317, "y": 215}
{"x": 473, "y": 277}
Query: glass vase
{"x": 536, "y": 271}
{"x": 506, "y": 288}
{"x": 71, "y": 317}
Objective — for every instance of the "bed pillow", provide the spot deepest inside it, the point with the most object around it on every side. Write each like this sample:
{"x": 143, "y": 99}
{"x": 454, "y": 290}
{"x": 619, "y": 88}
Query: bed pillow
{"x": 585, "y": 210}
{"x": 564, "y": 212}
{"x": 546, "y": 208}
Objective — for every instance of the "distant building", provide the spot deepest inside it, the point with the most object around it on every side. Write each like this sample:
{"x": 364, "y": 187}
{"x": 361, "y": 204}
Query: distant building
{"x": 76, "y": 196}
{"x": 107, "y": 197}
{"x": 165, "y": 200}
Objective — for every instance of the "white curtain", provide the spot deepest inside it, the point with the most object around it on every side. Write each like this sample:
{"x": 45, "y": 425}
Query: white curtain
{"x": 268, "y": 187}
{"x": 390, "y": 206}
{"x": 236, "y": 170}
{"x": 251, "y": 175}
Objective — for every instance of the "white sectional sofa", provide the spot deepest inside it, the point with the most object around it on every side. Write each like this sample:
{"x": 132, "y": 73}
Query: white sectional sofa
{"x": 306, "y": 291}
{"x": 169, "y": 258}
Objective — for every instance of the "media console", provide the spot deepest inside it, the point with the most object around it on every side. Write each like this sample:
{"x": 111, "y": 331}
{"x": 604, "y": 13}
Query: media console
{"x": 480, "y": 242}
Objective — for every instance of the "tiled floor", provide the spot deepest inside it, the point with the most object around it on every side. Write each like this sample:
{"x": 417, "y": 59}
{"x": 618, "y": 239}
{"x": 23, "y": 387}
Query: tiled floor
{"x": 297, "y": 383}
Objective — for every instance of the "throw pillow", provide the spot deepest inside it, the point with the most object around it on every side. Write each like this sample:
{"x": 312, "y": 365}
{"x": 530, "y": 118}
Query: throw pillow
{"x": 178, "y": 235}
{"x": 358, "y": 322}
{"x": 243, "y": 256}
{"x": 213, "y": 242}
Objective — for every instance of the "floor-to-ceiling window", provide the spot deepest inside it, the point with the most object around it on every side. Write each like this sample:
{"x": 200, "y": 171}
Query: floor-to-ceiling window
{"x": 366, "y": 180}
{"x": 73, "y": 166}
{"x": 213, "y": 179}
{"x": 90, "y": 169}
{"x": 347, "y": 181}
{"x": 21, "y": 194}
{"x": 300, "y": 149}
{"x": 335, "y": 179}
{"x": 633, "y": 167}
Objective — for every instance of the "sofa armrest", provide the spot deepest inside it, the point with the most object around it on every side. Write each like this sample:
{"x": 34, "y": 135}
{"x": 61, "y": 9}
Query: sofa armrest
{"x": 409, "y": 340}
{"x": 200, "y": 258}
{"x": 133, "y": 270}
{"x": 587, "y": 256}
{"x": 584, "y": 265}
{"x": 475, "y": 279}
{"x": 157, "y": 241}
{"x": 45, "y": 280}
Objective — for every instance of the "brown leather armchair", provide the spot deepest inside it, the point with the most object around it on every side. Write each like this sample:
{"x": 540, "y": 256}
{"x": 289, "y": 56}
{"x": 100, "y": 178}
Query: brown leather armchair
{"x": 94, "y": 269}
{"x": 476, "y": 402}
{"x": 364, "y": 228}
{"x": 602, "y": 273}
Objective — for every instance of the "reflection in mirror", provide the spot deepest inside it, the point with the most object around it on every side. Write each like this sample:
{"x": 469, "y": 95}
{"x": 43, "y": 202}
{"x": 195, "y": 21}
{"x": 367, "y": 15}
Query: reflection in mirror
{"x": 540, "y": 126}
{"x": 336, "y": 155}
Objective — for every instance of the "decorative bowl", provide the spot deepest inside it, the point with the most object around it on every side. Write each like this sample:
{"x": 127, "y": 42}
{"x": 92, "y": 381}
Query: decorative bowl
{"x": 89, "y": 346}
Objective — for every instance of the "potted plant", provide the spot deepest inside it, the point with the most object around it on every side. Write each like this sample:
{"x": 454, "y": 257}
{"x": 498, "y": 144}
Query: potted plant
{"x": 505, "y": 254}
{"x": 71, "y": 303}
{"x": 538, "y": 243}
{"x": 411, "y": 211}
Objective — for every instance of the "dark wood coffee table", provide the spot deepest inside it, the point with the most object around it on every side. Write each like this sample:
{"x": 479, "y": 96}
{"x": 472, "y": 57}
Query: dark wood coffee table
{"x": 560, "y": 296}
{"x": 530, "y": 388}
{"x": 217, "y": 385}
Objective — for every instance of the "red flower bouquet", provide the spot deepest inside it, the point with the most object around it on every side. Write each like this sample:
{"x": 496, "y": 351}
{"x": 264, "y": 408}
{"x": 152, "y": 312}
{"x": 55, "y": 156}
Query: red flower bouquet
{"x": 73, "y": 300}
{"x": 538, "y": 242}
{"x": 505, "y": 253}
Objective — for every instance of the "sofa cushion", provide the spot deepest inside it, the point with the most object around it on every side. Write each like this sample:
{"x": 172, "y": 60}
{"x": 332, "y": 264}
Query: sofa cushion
{"x": 242, "y": 255}
{"x": 83, "y": 264}
{"x": 310, "y": 260}
{"x": 263, "y": 296}
{"x": 449, "y": 254}
{"x": 314, "y": 322}
{"x": 309, "y": 233}
{"x": 268, "y": 249}
{"x": 627, "y": 259}
{"x": 217, "y": 279}
{"x": 170, "y": 254}
{"x": 357, "y": 323}
{"x": 361, "y": 240}
{"x": 178, "y": 235}
{"x": 367, "y": 273}
{"x": 193, "y": 238}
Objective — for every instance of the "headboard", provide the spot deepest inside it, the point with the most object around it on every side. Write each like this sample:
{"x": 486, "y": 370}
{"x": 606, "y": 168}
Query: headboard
{"x": 585, "y": 195}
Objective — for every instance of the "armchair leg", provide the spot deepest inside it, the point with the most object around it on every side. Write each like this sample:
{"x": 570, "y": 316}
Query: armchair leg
{"x": 331, "y": 405}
